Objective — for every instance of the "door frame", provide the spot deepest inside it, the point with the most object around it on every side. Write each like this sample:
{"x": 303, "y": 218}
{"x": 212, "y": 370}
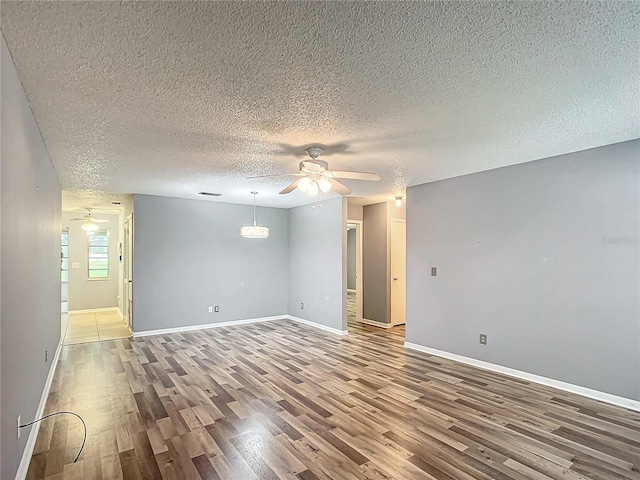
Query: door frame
{"x": 358, "y": 224}
{"x": 128, "y": 271}
{"x": 402, "y": 221}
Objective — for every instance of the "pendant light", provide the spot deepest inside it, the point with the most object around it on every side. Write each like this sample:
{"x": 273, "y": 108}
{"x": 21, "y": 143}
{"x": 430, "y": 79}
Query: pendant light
{"x": 255, "y": 230}
{"x": 89, "y": 227}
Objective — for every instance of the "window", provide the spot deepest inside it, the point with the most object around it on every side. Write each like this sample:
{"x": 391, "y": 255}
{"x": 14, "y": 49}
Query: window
{"x": 99, "y": 254}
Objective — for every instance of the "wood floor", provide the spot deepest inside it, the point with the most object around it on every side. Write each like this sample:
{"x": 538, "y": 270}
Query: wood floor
{"x": 94, "y": 327}
{"x": 281, "y": 400}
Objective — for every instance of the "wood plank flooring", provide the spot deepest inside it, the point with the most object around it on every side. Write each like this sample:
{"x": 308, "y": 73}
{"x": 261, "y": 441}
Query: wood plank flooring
{"x": 280, "y": 400}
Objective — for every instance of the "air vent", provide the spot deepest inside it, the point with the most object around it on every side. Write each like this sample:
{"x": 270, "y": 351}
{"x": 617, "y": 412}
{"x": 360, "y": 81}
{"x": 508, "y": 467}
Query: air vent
{"x": 209, "y": 194}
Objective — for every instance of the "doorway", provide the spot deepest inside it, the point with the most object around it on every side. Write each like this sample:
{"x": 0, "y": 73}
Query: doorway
{"x": 354, "y": 271}
{"x": 92, "y": 268}
{"x": 398, "y": 271}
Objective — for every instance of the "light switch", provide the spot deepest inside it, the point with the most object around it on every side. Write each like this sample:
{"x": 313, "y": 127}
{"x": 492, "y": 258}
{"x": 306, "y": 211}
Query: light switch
{"x": 75, "y": 265}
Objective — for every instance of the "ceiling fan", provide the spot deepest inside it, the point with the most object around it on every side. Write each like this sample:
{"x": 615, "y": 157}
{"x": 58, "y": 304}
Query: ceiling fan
{"x": 90, "y": 222}
{"x": 316, "y": 177}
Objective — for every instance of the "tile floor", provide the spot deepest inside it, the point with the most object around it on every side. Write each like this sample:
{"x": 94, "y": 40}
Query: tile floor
{"x": 95, "y": 327}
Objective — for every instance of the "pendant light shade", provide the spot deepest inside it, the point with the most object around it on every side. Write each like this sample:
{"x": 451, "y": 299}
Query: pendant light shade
{"x": 255, "y": 230}
{"x": 89, "y": 227}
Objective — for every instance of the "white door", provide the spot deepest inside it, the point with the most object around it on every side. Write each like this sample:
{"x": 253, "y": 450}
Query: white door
{"x": 398, "y": 271}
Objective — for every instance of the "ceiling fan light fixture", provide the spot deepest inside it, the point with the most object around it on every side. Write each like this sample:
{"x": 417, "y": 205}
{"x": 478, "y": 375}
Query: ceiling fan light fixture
{"x": 304, "y": 183}
{"x": 313, "y": 188}
{"x": 399, "y": 199}
{"x": 255, "y": 230}
{"x": 324, "y": 184}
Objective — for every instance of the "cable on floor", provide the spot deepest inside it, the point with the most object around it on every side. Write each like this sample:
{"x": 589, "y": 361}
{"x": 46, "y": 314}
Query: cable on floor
{"x": 84, "y": 440}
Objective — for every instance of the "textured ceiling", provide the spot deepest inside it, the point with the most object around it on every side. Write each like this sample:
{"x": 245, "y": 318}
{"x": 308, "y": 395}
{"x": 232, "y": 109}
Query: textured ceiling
{"x": 173, "y": 98}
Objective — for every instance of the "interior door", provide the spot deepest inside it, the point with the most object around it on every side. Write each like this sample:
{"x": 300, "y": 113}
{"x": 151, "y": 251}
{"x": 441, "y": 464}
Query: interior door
{"x": 398, "y": 271}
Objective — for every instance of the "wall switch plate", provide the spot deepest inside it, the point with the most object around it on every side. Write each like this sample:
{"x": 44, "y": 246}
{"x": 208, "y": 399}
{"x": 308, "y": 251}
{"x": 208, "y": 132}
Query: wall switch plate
{"x": 217, "y": 309}
{"x": 75, "y": 265}
{"x": 302, "y": 306}
{"x": 483, "y": 339}
{"x": 434, "y": 272}
{"x": 210, "y": 309}
{"x": 19, "y": 423}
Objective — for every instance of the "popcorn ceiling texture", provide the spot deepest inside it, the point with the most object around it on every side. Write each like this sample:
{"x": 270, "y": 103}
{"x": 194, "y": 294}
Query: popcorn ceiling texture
{"x": 173, "y": 98}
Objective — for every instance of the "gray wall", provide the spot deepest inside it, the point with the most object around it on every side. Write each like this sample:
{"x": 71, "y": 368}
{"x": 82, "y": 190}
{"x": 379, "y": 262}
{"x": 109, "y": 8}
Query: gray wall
{"x": 188, "y": 254}
{"x": 543, "y": 258}
{"x": 85, "y": 293}
{"x": 375, "y": 244}
{"x": 30, "y": 271}
{"x": 351, "y": 259}
{"x": 317, "y": 264}
{"x": 354, "y": 212}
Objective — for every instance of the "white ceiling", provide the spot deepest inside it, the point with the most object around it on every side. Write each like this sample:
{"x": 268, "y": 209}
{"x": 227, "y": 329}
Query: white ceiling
{"x": 173, "y": 98}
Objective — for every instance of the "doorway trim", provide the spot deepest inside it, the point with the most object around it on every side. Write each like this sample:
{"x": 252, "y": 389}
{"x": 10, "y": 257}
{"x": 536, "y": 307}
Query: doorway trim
{"x": 358, "y": 224}
{"x": 127, "y": 289}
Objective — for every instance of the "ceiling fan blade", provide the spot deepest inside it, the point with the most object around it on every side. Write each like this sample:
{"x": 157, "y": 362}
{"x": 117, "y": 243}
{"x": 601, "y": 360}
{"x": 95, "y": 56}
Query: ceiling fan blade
{"x": 336, "y": 186}
{"x": 290, "y": 188}
{"x": 278, "y": 175}
{"x": 373, "y": 177}
{"x": 78, "y": 219}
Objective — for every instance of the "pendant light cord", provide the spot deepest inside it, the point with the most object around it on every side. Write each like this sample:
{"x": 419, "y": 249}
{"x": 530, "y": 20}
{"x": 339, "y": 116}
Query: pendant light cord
{"x": 254, "y": 208}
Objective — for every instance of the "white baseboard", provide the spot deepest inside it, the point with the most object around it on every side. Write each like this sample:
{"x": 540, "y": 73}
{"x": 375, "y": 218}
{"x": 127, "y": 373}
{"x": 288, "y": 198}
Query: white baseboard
{"x": 35, "y": 428}
{"x": 120, "y": 314}
{"x": 97, "y": 310}
{"x": 376, "y": 324}
{"x": 204, "y": 326}
{"x": 317, "y": 325}
{"x": 567, "y": 387}
{"x": 164, "y": 331}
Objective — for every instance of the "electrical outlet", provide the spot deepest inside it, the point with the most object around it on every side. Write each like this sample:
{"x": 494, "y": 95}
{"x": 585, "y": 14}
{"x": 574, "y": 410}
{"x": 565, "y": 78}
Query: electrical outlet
{"x": 46, "y": 356}
{"x": 19, "y": 423}
{"x": 434, "y": 272}
{"x": 217, "y": 309}
{"x": 483, "y": 339}
{"x": 210, "y": 309}
{"x": 302, "y": 306}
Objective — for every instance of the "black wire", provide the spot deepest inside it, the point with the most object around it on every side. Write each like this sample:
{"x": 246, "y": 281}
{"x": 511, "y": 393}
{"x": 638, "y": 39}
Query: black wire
{"x": 60, "y": 413}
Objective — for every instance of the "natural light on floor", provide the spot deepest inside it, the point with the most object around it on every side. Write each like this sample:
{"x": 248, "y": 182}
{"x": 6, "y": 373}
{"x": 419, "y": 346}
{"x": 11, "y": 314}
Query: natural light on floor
{"x": 95, "y": 327}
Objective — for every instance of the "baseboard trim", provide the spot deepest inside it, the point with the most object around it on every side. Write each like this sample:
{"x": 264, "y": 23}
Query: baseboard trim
{"x": 97, "y": 310}
{"x": 309, "y": 323}
{"x": 120, "y": 314}
{"x": 204, "y": 326}
{"x": 27, "y": 453}
{"x": 375, "y": 323}
{"x": 550, "y": 382}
